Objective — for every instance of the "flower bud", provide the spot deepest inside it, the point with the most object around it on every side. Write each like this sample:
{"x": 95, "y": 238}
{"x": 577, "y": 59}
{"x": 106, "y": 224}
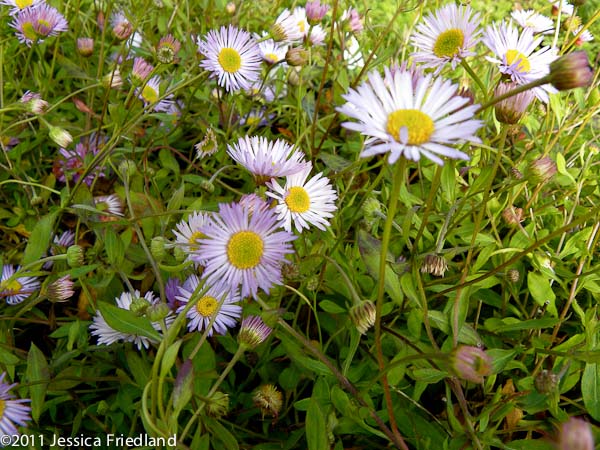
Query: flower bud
{"x": 127, "y": 167}
{"x": 122, "y": 30}
{"x": 158, "y": 312}
{"x": 512, "y": 109}
{"x": 158, "y": 248}
{"x": 363, "y": 316}
{"x": 571, "y": 71}
{"x": 207, "y": 185}
{"x": 75, "y": 256}
{"x": 542, "y": 170}
{"x": 85, "y": 46}
{"x": 253, "y": 332}
{"x": 139, "y": 306}
{"x": 268, "y": 398}
{"x": 230, "y": 8}
{"x": 113, "y": 79}
{"x": 546, "y": 382}
{"x": 62, "y": 137}
{"x": 315, "y": 11}
{"x": 141, "y": 71}
{"x": 576, "y": 434}
{"x": 512, "y": 216}
{"x": 296, "y": 56}
{"x": 61, "y": 289}
{"x": 513, "y": 275}
{"x": 34, "y": 103}
{"x": 471, "y": 363}
{"x": 435, "y": 265}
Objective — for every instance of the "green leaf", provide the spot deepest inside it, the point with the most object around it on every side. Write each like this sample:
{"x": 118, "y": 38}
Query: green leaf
{"x": 316, "y": 431}
{"x": 39, "y": 240}
{"x": 138, "y": 367}
{"x": 334, "y": 162}
{"x": 169, "y": 358}
{"x": 38, "y": 377}
{"x": 176, "y": 198}
{"x": 8, "y": 358}
{"x": 448, "y": 181}
{"x": 222, "y": 434}
{"x": 590, "y": 389}
{"x": 512, "y": 324}
{"x": 542, "y": 292}
{"x": 126, "y": 321}
{"x": 466, "y": 335}
{"x": 332, "y": 307}
{"x": 115, "y": 250}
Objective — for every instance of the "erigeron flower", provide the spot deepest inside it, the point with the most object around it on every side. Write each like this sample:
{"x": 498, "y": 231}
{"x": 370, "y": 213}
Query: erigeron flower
{"x": 355, "y": 22}
{"x": 410, "y": 119}
{"x": 303, "y": 203}
{"x": 72, "y": 164}
{"x": 15, "y": 289}
{"x": 232, "y": 56}
{"x": 217, "y": 300}
{"x": 512, "y": 109}
{"x": 167, "y": 49}
{"x": 272, "y": 52}
{"x": 266, "y": 159}
{"x": 585, "y": 36}
{"x": 121, "y": 26}
{"x": 141, "y": 70}
{"x": 61, "y": 289}
{"x": 12, "y": 412}
{"x": 517, "y": 57}
{"x": 20, "y": 5}
{"x": 188, "y": 234}
{"x": 108, "y": 335}
{"x": 34, "y": 24}
{"x": 446, "y": 36}
{"x": 287, "y": 29}
{"x": 245, "y": 249}
{"x": 253, "y": 332}
{"x": 150, "y": 95}
{"x": 110, "y": 205}
{"x": 315, "y": 11}
{"x": 317, "y": 35}
{"x": 533, "y": 20}
{"x": 565, "y": 7}
{"x": 471, "y": 363}
{"x": 576, "y": 434}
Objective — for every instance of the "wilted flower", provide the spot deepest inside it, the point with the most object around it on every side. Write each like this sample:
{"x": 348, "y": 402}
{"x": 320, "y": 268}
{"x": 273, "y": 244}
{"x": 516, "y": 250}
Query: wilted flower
{"x": 167, "y": 49}
{"x": 208, "y": 145}
{"x": 512, "y": 216}
{"x": 34, "y": 102}
{"x": 570, "y": 71}
{"x": 113, "y": 79}
{"x": 435, "y": 265}
{"x": 217, "y": 405}
{"x": 363, "y": 316}
{"x": 576, "y": 434}
{"x": 253, "y": 332}
{"x": 268, "y": 398}
{"x": 471, "y": 363}
{"x": 121, "y": 26}
{"x": 546, "y": 382}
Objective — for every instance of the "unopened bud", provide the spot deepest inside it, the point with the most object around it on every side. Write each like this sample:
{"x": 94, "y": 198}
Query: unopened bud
{"x": 158, "y": 312}
{"x": 112, "y": 80}
{"x": 363, "y": 316}
{"x": 62, "y": 137}
{"x": 253, "y": 332}
{"x": 571, "y": 71}
{"x": 512, "y": 109}
{"x": 75, "y": 256}
{"x": 576, "y": 434}
{"x": 542, "y": 170}
{"x": 127, "y": 167}
{"x": 139, "y": 306}
{"x": 230, "y": 8}
{"x": 217, "y": 405}
{"x": 471, "y": 363}
{"x": 435, "y": 265}
{"x": 546, "y": 382}
{"x": 85, "y": 46}
{"x": 158, "y": 248}
{"x": 296, "y": 56}
{"x": 513, "y": 275}
{"x": 61, "y": 289}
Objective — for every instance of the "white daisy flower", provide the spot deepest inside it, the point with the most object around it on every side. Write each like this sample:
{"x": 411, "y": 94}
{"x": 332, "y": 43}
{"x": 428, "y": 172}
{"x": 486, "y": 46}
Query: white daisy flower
{"x": 12, "y": 412}
{"x": 517, "y": 56}
{"x": 317, "y": 35}
{"x": 304, "y": 202}
{"x": 446, "y": 36}
{"x": 410, "y": 118}
{"x": 232, "y": 56}
{"x": 565, "y": 7}
{"x": 150, "y": 95}
{"x": 535, "y": 21}
{"x": 202, "y": 312}
{"x": 272, "y": 52}
{"x": 287, "y": 28}
{"x": 188, "y": 234}
{"x": 266, "y": 159}
{"x": 16, "y": 289}
{"x": 586, "y": 36}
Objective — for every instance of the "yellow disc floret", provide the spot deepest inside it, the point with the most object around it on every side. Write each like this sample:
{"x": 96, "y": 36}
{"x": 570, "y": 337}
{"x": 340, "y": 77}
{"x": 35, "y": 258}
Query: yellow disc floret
{"x": 207, "y": 306}
{"x": 230, "y": 59}
{"x": 449, "y": 43}
{"x": 297, "y": 199}
{"x": 512, "y": 56}
{"x": 245, "y": 249}
{"x": 420, "y": 126}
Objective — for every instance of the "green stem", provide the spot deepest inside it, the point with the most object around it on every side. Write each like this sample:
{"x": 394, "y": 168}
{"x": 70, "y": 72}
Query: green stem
{"x": 475, "y": 78}
{"x": 517, "y": 90}
{"x": 398, "y": 181}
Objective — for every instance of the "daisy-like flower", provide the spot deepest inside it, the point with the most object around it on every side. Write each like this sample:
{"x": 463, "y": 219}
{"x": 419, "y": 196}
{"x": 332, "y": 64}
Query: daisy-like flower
{"x": 446, "y": 36}
{"x": 317, "y": 35}
{"x": 110, "y": 205}
{"x": 121, "y": 26}
{"x": 353, "y": 55}
{"x": 108, "y": 335}
{"x": 12, "y": 412}
{"x": 563, "y": 5}
{"x": 150, "y": 95}
{"x": 410, "y": 119}
{"x": 315, "y": 11}
{"x": 272, "y": 52}
{"x": 537, "y": 22}
{"x": 59, "y": 246}
{"x": 585, "y": 36}
{"x": 72, "y": 163}
{"x": 219, "y": 300}
{"x": 141, "y": 70}
{"x": 232, "y": 56}
{"x": 189, "y": 233}
{"x": 16, "y": 289}
{"x": 355, "y": 23}
{"x": 34, "y": 24}
{"x": 266, "y": 159}
{"x": 245, "y": 249}
{"x": 286, "y": 28}
{"x": 19, "y": 5}
{"x": 167, "y": 49}
{"x": 517, "y": 57}
{"x": 303, "y": 202}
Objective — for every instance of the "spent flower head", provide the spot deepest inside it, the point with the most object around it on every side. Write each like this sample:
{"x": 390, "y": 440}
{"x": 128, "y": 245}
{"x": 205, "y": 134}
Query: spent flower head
{"x": 167, "y": 49}
{"x": 363, "y": 316}
{"x": 269, "y": 399}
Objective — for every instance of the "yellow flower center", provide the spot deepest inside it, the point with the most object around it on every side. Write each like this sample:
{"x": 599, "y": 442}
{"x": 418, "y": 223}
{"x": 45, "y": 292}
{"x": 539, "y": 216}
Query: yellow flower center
{"x": 230, "y": 59}
{"x": 193, "y": 240}
{"x": 22, "y": 4}
{"x": 420, "y": 126}
{"x": 29, "y": 31}
{"x": 271, "y": 57}
{"x": 297, "y": 199}
{"x": 2, "y": 408}
{"x": 12, "y": 286}
{"x": 150, "y": 94}
{"x": 512, "y": 56}
{"x": 245, "y": 249}
{"x": 301, "y": 26}
{"x": 43, "y": 27}
{"x": 449, "y": 43}
{"x": 207, "y": 306}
